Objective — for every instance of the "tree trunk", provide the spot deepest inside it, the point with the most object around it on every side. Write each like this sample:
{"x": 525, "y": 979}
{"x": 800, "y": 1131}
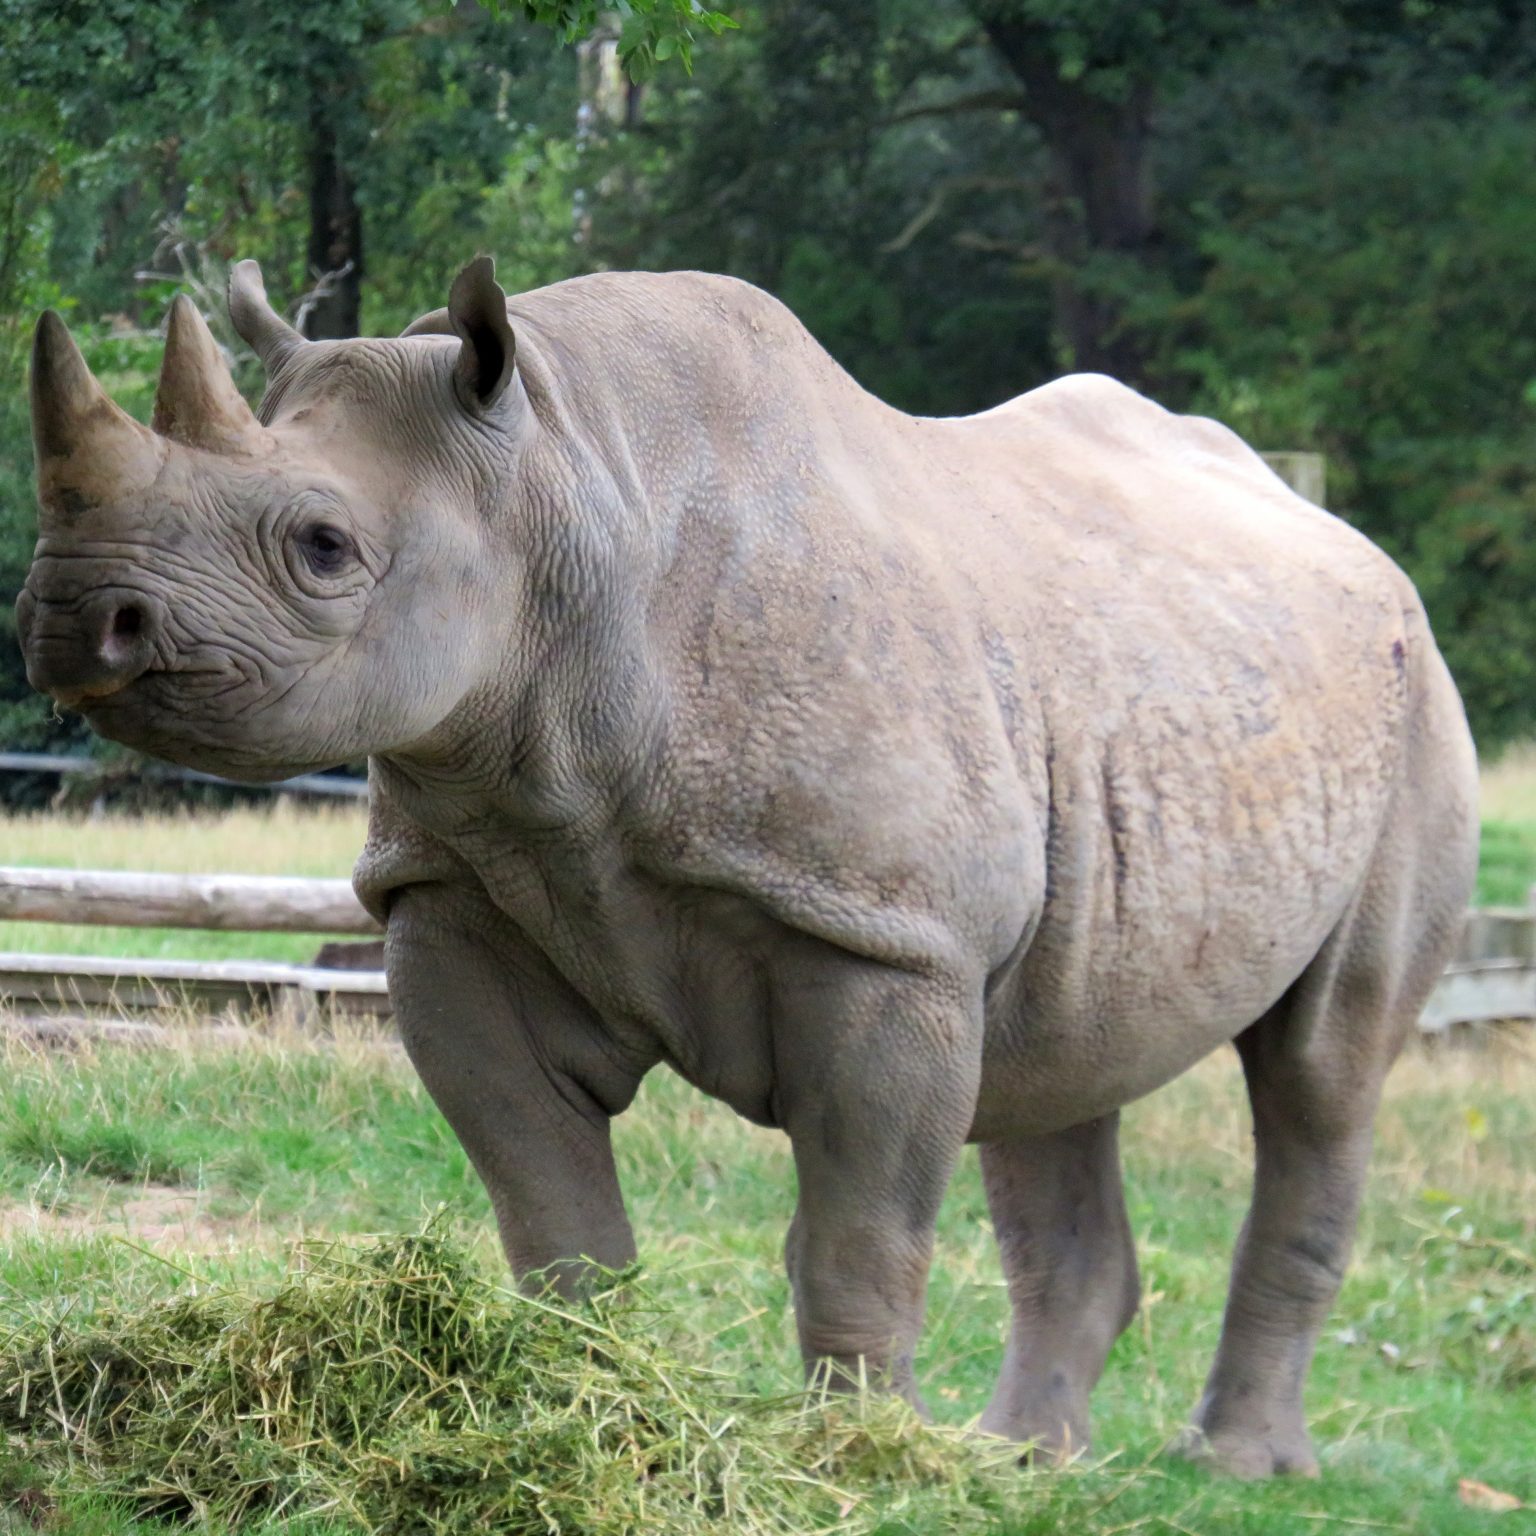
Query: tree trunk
{"x": 1100, "y": 202}
{"x": 332, "y": 311}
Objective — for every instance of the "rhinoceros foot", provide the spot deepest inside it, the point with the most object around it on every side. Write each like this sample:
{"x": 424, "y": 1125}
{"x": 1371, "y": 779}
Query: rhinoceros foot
{"x": 1250, "y": 1454}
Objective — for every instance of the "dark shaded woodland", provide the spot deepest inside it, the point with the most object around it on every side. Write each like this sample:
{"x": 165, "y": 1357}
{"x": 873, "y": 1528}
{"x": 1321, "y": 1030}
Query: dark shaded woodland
{"x": 1315, "y": 220}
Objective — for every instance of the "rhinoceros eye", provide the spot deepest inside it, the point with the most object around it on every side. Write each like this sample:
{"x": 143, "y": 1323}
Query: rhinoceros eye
{"x": 327, "y": 551}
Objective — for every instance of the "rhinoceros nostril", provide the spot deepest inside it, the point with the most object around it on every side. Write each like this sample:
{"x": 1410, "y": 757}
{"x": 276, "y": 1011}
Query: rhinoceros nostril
{"x": 123, "y": 634}
{"x": 90, "y": 649}
{"x": 127, "y": 622}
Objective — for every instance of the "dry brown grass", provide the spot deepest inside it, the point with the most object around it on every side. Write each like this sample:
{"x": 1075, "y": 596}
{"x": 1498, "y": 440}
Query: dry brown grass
{"x": 281, "y": 839}
{"x": 1509, "y": 785}
{"x": 1432, "y": 1131}
{"x": 163, "y": 1216}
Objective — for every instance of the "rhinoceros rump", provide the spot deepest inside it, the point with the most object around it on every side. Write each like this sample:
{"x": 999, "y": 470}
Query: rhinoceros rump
{"x": 900, "y": 782}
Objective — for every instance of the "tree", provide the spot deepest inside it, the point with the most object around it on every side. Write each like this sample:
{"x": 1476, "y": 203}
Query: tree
{"x": 1310, "y": 219}
{"x": 1093, "y": 74}
{"x": 168, "y": 136}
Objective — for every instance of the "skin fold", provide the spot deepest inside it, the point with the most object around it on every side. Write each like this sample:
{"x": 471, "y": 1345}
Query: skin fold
{"x": 900, "y": 782}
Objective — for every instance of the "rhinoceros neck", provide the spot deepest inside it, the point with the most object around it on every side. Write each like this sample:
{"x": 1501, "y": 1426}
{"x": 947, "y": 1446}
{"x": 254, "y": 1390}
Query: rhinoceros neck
{"x": 660, "y": 403}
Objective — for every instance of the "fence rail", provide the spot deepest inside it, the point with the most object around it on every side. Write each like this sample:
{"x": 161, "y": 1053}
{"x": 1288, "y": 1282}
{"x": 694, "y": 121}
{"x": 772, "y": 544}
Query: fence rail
{"x": 132, "y": 985}
{"x": 329, "y": 785}
{"x": 229, "y": 903}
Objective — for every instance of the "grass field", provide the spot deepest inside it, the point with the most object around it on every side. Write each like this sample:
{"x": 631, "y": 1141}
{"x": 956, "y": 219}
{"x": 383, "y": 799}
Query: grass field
{"x": 129, "y": 1175}
{"x": 127, "y": 1178}
{"x": 1508, "y": 866}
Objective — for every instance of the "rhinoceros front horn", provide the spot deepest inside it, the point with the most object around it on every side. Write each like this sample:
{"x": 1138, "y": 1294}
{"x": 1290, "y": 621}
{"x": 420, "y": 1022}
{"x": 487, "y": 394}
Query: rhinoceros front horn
{"x": 89, "y": 450}
{"x": 197, "y": 402}
{"x": 259, "y": 325}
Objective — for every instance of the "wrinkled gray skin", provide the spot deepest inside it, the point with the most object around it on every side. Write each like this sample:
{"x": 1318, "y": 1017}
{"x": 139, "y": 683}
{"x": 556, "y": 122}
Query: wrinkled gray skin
{"x": 900, "y": 782}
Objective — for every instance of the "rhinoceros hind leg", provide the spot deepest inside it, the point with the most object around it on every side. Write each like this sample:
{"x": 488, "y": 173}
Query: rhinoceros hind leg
{"x": 1314, "y": 1067}
{"x": 1315, "y": 1064}
{"x": 1058, "y": 1208}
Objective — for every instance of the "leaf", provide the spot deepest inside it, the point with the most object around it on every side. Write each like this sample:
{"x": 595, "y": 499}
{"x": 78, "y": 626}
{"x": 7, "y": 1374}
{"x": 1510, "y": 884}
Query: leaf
{"x": 1476, "y": 1495}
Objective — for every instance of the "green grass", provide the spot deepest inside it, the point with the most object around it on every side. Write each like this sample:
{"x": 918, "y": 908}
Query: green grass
{"x": 131, "y": 1180}
{"x": 187, "y": 1175}
{"x": 1506, "y": 868}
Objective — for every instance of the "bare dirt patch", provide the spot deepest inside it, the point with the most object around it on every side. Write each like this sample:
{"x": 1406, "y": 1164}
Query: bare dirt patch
{"x": 149, "y": 1214}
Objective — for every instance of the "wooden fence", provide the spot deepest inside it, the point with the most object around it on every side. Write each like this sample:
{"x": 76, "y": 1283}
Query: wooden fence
{"x": 231, "y": 903}
{"x": 83, "y": 993}
{"x": 1493, "y": 977}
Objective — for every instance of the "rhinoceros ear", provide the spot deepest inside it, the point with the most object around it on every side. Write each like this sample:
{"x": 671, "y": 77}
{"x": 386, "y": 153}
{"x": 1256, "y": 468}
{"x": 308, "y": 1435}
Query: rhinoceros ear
{"x": 259, "y": 325}
{"x": 477, "y": 311}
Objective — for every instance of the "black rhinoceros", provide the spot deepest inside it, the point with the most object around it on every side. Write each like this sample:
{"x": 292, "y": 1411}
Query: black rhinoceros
{"x": 900, "y": 782}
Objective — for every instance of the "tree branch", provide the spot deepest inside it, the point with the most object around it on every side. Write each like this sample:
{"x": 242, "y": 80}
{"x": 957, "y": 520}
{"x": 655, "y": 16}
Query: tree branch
{"x": 977, "y": 101}
{"x": 940, "y": 198}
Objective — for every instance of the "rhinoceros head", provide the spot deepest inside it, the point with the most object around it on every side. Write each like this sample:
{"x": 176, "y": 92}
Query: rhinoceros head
{"x": 256, "y": 596}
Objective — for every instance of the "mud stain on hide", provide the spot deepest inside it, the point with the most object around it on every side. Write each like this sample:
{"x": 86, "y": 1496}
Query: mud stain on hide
{"x": 1119, "y": 825}
{"x": 1052, "y": 825}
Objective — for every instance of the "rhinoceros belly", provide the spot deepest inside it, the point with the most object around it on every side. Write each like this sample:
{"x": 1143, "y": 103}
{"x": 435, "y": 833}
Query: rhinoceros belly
{"x": 1200, "y": 852}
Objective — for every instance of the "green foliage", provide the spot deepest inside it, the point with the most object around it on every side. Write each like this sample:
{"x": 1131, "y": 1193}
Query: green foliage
{"x": 1381, "y": 307}
{"x": 1341, "y": 255}
{"x": 651, "y": 31}
{"x": 523, "y": 213}
{"x": 1111, "y": 45}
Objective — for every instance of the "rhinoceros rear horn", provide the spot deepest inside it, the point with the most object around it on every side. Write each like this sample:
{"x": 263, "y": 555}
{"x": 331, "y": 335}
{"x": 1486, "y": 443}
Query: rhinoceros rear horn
{"x": 197, "y": 402}
{"x": 477, "y": 310}
{"x": 259, "y": 325}
{"x": 88, "y": 449}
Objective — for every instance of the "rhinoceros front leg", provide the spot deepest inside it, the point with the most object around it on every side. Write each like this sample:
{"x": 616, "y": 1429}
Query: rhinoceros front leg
{"x": 1058, "y": 1207}
{"x": 877, "y": 1073}
{"x": 513, "y": 1059}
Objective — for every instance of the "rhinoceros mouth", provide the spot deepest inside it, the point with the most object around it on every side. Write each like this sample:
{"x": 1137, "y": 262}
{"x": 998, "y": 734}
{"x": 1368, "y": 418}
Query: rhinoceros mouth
{"x": 175, "y": 704}
{"x": 78, "y": 699}
{"x": 209, "y": 718}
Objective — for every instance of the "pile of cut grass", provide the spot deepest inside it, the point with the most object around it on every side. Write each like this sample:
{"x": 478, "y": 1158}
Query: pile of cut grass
{"x": 392, "y": 1388}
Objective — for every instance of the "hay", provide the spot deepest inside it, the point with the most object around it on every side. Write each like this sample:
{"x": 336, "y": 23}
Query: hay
{"x": 394, "y": 1389}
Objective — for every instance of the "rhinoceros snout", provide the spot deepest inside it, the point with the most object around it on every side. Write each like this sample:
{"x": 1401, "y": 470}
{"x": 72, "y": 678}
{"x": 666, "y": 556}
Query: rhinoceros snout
{"x": 89, "y": 648}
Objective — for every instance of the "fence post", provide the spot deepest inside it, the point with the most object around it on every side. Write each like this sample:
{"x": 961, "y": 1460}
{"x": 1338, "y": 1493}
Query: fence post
{"x": 1305, "y": 473}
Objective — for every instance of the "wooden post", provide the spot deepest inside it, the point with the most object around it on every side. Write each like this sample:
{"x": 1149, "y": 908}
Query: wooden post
{"x": 1305, "y": 473}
